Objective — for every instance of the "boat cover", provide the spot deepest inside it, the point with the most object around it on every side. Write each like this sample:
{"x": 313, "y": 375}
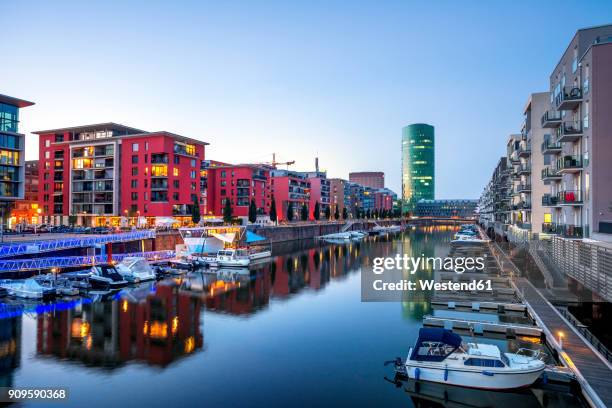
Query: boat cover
{"x": 435, "y": 335}
{"x": 253, "y": 237}
{"x": 227, "y": 237}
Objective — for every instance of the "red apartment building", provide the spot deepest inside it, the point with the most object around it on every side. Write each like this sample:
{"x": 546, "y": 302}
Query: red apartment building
{"x": 107, "y": 173}
{"x": 26, "y": 210}
{"x": 240, "y": 184}
{"x": 374, "y": 179}
{"x": 290, "y": 187}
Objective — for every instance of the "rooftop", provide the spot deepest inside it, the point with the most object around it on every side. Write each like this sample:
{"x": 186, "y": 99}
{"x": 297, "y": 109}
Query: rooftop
{"x": 126, "y": 130}
{"x": 20, "y": 103}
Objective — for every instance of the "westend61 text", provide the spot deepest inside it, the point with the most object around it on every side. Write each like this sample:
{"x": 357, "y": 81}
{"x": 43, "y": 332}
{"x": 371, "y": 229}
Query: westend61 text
{"x": 429, "y": 284}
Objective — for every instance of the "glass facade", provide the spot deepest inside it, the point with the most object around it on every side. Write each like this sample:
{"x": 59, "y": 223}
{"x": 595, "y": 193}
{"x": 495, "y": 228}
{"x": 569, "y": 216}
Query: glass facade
{"x": 9, "y": 118}
{"x": 418, "y": 164}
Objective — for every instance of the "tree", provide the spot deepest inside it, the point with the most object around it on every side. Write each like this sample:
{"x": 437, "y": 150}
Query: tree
{"x": 252, "y": 212}
{"x": 290, "y": 211}
{"x": 273, "y": 215}
{"x": 304, "y": 214}
{"x": 316, "y": 213}
{"x": 72, "y": 220}
{"x": 327, "y": 213}
{"x": 227, "y": 211}
{"x": 368, "y": 214}
{"x": 337, "y": 213}
{"x": 195, "y": 212}
{"x": 344, "y": 213}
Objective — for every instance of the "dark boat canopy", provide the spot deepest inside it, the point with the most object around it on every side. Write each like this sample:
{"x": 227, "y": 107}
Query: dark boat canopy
{"x": 435, "y": 344}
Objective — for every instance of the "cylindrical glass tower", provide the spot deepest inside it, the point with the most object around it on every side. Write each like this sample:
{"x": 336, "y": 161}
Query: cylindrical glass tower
{"x": 417, "y": 164}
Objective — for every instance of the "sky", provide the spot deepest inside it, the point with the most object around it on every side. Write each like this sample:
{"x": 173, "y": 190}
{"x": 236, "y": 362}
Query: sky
{"x": 333, "y": 79}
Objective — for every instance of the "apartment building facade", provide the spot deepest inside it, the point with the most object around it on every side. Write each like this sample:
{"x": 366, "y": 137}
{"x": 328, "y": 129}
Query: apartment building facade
{"x": 291, "y": 189}
{"x": 25, "y": 211}
{"x": 373, "y": 179}
{"x": 105, "y": 174}
{"x": 320, "y": 192}
{"x": 494, "y": 205}
{"x": 12, "y": 153}
{"x": 239, "y": 184}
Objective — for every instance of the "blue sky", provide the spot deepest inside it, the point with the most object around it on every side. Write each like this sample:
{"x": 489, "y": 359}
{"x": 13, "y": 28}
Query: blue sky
{"x": 333, "y": 79}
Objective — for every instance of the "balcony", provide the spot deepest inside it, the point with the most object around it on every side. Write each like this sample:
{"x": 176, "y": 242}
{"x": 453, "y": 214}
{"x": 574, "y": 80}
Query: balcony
{"x": 569, "y": 131}
{"x": 565, "y": 230}
{"x": 551, "y": 119}
{"x": 570, "y": 197}
{"x": 549, "y": 200}
{"x": 569, "y": 164}
{"x": 523, "y": 225}
{"x": 523, "y": 188}
{"x": 549, "y": 147}
{"x": 524, "y": 205}
{"x": 514, "y": 158}
{"x": 523, "y": 169}
{"x": 568, "y": 98}
{"x": 550, "y": 174}
{"x": 524, "y": 150}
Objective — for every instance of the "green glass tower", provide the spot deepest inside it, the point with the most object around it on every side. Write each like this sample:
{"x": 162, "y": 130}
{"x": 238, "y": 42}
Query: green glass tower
{"x": 418, "y": 167}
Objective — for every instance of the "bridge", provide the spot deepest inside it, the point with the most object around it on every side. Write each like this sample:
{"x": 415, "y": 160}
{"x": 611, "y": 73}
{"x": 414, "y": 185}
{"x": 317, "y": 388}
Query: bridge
{"x": 61, "y": 242}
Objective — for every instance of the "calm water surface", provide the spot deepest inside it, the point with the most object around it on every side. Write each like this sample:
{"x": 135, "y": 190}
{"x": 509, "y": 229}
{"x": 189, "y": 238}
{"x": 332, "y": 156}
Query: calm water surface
{"x": 293, "y": 332}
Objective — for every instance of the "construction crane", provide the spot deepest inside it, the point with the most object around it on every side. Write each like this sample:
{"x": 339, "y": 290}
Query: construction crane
{"x": 274, "y": 163}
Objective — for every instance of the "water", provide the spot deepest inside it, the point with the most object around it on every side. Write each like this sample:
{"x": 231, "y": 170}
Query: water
{"x": 292, "y": 333}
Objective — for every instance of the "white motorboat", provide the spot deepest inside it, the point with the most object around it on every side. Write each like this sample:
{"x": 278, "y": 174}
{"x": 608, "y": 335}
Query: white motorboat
{"x": 135, "y": 269}
{"x": 439, "y": 355}
{"x": 102, "y": 276}
{"x": 28, "y": 289}
{"x": 467, "y": 240}
{"x": 381, "y": 230}
{"x": 232, "y": 258}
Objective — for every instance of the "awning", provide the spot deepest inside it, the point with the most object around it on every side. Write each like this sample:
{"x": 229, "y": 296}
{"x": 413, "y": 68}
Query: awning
{"x": 253, "y": 237}
{"x": 229, "y": 237}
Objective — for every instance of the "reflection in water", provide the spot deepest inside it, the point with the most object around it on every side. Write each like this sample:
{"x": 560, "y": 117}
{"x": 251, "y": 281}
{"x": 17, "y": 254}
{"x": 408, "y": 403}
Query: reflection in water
{"x": 10, "y": 349}
{"x": 153, "y": 324}
{"x": 159, "y": 323}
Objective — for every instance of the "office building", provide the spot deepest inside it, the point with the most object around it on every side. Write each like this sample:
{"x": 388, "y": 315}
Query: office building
{"x": 418, "y": 164}
{"x": 12, "y": 154}
{"x": 446, "y": 208}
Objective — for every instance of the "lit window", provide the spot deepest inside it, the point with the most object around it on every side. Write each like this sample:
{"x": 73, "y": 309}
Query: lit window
{"x": 134, "y": 147}
{"x": 175, "y": 171}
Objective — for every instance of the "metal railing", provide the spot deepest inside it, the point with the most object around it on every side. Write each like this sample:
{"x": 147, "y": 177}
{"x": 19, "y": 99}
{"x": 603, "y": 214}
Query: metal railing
{"x": 23, "y": 265}
{"x": 36, "y": 247}
{"x": 569, "y": 162}
{"x": 586, "y": 333}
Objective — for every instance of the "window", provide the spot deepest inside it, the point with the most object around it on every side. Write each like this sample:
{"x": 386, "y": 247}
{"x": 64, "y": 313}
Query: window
{"x": 193, "y": 162}
{"x": 47, "y": 154}
{"x": 176, "y": 183}
{"x": 483, "y": 362}
{"x": 134, "y": 183}
{"x": 223, "y": 173}
{"x": 159, "y": 170}
{"x": 146, "y": 158}
{"x": 46, "y": 176}
{"x": 175, "y": 171}
{"x": 586, "y": 115}
{"x": 223, "y": 192}
{"x": 134, "y": 147}
{"x": 177, "y": 159}
{"x": 135, "y": 159}
{"x": 48, "y": 143}
{"x": 146, "y": 145}
{"x": 547, "y": 218}
{"x": 193, "y": 186}
{"x": 134, "y": 196}
{"x": 192, "y": 174}
{"x": 190, "y": 149}
{"x": 59, "y": 138}
{"x": 175, "y": 196}
{"x": 134, "y": 171}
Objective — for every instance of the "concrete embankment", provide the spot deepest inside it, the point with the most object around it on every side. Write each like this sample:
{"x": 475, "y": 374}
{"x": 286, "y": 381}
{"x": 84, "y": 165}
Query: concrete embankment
{"x": 281, "y": 233}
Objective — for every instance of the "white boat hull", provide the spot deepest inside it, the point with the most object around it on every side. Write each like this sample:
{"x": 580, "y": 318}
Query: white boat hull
{"x": 482, "y": 377}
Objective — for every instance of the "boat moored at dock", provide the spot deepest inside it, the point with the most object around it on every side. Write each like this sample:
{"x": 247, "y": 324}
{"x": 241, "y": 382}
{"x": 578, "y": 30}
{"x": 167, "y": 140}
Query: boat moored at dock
{"x": 439, "y": 355}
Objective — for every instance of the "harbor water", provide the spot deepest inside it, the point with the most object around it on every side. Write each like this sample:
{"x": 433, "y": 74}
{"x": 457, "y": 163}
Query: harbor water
{"x": 291, "y": 332}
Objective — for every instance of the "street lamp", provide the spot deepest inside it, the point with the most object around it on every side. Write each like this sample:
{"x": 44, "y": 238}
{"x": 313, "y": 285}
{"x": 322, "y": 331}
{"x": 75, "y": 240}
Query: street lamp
{"x": 561, "y": 335}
